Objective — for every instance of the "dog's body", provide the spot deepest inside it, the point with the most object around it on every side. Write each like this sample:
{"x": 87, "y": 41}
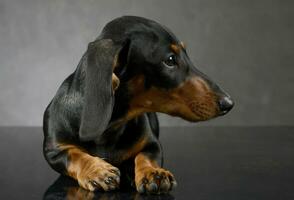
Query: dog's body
{"x": 103, "y": 115}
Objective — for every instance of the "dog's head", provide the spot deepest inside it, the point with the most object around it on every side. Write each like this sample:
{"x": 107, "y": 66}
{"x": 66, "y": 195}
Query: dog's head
{"x": 151, "y": 65}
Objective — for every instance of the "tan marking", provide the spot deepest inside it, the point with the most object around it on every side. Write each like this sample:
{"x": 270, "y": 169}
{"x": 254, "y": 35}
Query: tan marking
{"x": 183, "y": 45}
{"x": 175, "y": 48}
{"x": 78, "y": 159}
{"x": 115, "y": 79}
{"x": 135, "y": 149}
{"x": 142, "y": 161}
{"x": 115, "y": 82}
{"x": 115, "y": 62}
{"x": 147, "y": 169}
{"x": 84, "y": 168}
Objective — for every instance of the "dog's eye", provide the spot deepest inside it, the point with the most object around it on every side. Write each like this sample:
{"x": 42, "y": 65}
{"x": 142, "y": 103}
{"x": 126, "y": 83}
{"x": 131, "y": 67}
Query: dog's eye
{"x": 170, "y": 62}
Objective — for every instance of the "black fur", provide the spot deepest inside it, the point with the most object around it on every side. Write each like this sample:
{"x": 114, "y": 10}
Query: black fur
{"x": 85, "y": 109}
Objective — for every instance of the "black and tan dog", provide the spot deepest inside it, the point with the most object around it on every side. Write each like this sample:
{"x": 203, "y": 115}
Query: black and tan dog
{"x": 101, "y": 125}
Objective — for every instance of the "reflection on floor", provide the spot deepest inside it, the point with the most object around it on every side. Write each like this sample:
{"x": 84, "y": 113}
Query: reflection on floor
{"x": 67, "y": 188}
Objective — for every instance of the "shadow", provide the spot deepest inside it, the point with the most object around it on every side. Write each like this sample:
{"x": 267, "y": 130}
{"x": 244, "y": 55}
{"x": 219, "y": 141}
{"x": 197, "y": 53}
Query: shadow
{"x": 67, "y": 188}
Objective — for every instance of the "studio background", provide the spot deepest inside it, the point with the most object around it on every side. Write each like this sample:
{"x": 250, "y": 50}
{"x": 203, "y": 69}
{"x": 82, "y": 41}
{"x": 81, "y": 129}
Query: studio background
{"x": 246, "y": 47}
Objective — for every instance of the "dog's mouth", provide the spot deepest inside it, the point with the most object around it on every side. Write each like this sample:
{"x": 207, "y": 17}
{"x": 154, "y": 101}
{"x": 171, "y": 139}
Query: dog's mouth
{"x": 200, "y": 111}
{"x": 203, "y": 111}
{"x": 201, "y": 108}
{"x": 211, "y": 108}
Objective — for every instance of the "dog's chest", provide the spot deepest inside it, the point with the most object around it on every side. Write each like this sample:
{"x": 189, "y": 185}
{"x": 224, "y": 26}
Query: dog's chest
{"x": 127, "y": 149}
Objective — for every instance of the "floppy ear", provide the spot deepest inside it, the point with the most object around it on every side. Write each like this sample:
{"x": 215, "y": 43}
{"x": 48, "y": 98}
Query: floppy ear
{"x": 100, "y": 82}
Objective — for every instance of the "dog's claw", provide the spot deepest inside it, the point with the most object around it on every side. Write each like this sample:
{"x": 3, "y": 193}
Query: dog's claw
{"x": 141, "y": 188}
{"x": 174, "y": 184}
{"x": 153, "y": 188}
{"x": 116, "y": 172}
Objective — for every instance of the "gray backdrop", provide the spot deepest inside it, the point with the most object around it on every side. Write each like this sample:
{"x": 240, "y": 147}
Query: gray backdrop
{"x": 245, "y": 46}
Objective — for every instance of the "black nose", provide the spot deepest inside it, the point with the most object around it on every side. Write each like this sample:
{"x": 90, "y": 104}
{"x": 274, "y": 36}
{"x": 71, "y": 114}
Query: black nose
{"x": 225, "y": 104}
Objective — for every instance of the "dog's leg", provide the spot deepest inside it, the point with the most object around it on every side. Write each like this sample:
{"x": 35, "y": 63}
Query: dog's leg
{"x": 150, "y": 178}
{"x": 90, "y": 172}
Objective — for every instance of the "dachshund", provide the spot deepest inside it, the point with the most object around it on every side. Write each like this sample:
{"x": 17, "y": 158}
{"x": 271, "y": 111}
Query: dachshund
{"x": 101, "y": 127}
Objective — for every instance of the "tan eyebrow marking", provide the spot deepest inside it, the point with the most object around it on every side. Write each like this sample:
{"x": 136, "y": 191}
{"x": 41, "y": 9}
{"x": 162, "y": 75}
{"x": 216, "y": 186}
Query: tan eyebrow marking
{"x": 175, "y": 48}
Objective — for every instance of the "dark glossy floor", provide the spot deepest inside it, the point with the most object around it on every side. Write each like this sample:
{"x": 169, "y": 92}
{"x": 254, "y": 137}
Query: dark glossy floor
{"x": 208, "y": 162}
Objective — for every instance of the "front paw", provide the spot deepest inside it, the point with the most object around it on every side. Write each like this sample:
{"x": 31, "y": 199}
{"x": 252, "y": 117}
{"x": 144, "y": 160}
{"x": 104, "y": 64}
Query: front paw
{"x": 98, "y": 174}
{"x": 154, "y": 180}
